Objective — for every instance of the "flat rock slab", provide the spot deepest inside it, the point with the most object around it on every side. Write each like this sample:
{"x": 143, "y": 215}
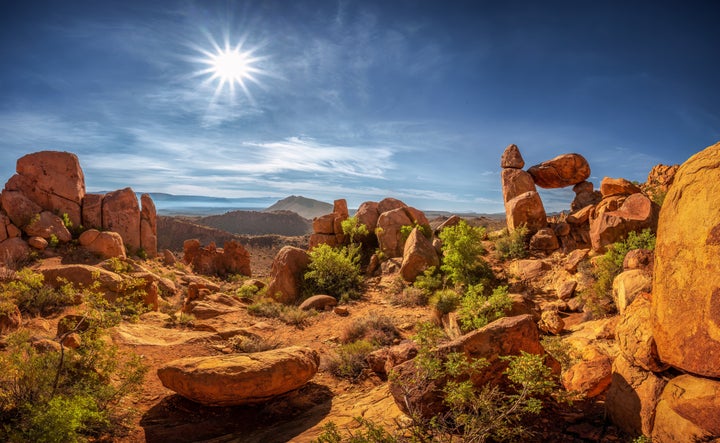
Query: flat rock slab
{"x": 238, "y": 379}
{"x": 155, "y": 335}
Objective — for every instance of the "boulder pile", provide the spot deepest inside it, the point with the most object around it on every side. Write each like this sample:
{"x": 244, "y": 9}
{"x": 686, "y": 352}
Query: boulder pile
{"x": 45, "y": 202}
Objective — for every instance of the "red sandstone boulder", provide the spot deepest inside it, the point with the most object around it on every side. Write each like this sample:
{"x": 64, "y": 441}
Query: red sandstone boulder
{"x": 418, "y": 255}
{"x": 617, "y": 186}
{"x": 526, "y": 209}
{"x": 688, "y": 410}
{"x": 564, "y": 170}
{"x": 511, "y": 158}
{"x": 389, "y": 226}
{"x": 13, "y": 250}
{"x": 239, "y": 379}
{"x": 686, "y": 288}
{"x": 634, "y": 336}
{"x": 636, "y": 213}
{"x": 318, "y": 302}
{"x": 19, "y": 207}
{"x": 367, "y": 214}
{"x": 92, "y": 211}
{"x": 389, "y": 204}
{"x": 148, "y": 226}
{"x": 544, "y": 240}
{"x": 105, "y": 244}
{"x": 287, "y": 273}
{"x": 121, "y": 214}
{"x": 48, "y": 225}
{"x": 516, "y": 182}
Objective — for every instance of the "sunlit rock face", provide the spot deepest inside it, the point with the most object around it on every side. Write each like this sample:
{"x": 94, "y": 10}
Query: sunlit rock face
{"x": 563, "y": 170}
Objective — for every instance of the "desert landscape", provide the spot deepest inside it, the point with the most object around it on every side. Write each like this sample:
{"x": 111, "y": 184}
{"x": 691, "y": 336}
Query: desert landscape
{"x": 595, "y": 324}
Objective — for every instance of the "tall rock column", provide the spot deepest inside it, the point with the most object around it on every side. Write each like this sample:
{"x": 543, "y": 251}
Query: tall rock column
{"x": 148, "y": 226}
{"x": 121, "y": 213}
{"x": 522, "y": 201}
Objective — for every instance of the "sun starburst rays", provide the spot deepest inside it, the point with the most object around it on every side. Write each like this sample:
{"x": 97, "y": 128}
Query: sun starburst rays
{"x": 230, "y": 68}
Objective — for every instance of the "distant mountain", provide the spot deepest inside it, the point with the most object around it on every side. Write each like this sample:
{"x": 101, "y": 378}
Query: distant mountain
{"x": 259, "y": 223}
{"x": 305, "y": 207}
{"x": 170, "y": 204}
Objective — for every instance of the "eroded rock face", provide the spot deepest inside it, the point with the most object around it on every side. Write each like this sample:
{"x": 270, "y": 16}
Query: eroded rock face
{"x": 686, "y": 290}
{"x": 148, "y": 226}
{"x": 516, "y": 182}
{"x": 53, "y": 180}
{"x": 526, "y": 209}
{"x": 591, "y": 376}
{"x": 47, "y": 225}
{"x": 627, "y": 285}
{"x": 318, "y": 302}
{"x": 617, "y": 186}
{"x": 19, "y": 207}
{"x": 689, "y": 410}
{"x": 389, "y": 226}
{"x": 121, "y": 214}
{"x": 511, "y": 158}
{"x": 564, "y": 170}
{"x": 231, "y": 380}
{"x": 232, "y": 258}
{"x": 635, "y": 339}
{"x": 286, "y": 275}
{"x": 418, "y": 255}
{"x": 13, "y": 250}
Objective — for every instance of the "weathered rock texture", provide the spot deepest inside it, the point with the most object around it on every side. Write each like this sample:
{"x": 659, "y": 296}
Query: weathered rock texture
{"x": 232, "y": 258}
{"x": 231, "y": 380}
{"x": 327, "y": 229}
{"x": 419, "y": 254}
{"x": 620, "y": 216}
{"x": 686, "y": 290}
{"x": 287, "y": 273}
{"x": 523, "y": 205}
{"x": 688, "y": 410}
{"x": 564, "y": 170}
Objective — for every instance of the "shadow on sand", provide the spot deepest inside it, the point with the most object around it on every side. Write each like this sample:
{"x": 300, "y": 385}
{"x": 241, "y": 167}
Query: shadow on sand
{"x": 177, "y": 419}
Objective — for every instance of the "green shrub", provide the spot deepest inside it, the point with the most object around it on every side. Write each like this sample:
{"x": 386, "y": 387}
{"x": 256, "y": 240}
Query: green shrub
{"x": 445, "y": 301}
{"x": 29, "y": 292}
{"x": 462, "y": 249}
{"x": 352, "y": 228}
{"x": 351, "y": 359}
{"x": 430, "y": 281}
{"x": 291, "y": 315}
{"x": 610, "y": 265}
{"x": 512, "y": 245}
{"x": 406, "y": 230}
{"x": 333, "y": 271}
{"x": 476, "y": 310}
{"x": 367, "y": 432}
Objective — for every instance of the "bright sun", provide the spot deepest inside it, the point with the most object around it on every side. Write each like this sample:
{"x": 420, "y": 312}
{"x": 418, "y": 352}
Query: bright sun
{"x": 230, "y": 66}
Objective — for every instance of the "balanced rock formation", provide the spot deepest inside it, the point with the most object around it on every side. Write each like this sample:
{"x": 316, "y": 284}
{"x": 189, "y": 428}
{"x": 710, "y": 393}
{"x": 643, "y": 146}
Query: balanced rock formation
{"x": 232, "y": 258}
{"x": 686, "y": 290}
{"x": 287, "y": 272}
{"x": 564, "y": 170}
{"x": 523, "y": 205}
{"x": 240, "y": 379}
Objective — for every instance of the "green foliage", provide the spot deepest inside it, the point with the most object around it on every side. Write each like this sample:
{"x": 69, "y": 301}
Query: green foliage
{"x": 70, "y": 394}
{"x": 430, "y": 280}
{"x": 512, "y": 246}
{"x": 462, "y": 250}
{"x": 406, "y": 230}
{"x": 445, "y": 301}
{"x": 28, "y": 291}
{"x": 119, "y": 266}
{"x": 351, "y": 359}
{"x": 368, "y": 432}
{"x": 610, "y": 265}
{"x": 352, "y": 228}
{"x": 477, "y": 310}
{"x": 560, "y": 350}
{"x": 334, "y": 271}
{"x": 53, "y": 241}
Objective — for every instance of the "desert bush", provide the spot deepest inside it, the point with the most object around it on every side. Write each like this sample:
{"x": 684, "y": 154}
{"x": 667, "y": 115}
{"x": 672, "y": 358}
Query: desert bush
{"x": 512, "y": 245}
{"x": 429, "y": 281}
{"x": 462, "y": 249}
{"x": 70, "y": 394}
{"x": 379, "y": 330}
{"x": 180, "y": 320}
{"x": 353, "y": 229}
{"x": 252, "y": 343}
{"x": 366, "y": 432}
{"x": 406, "y": 230}
{"x": 599, "y": 296}
{"x": 445, "y": 301}
{"x": 409, "y": 297}
{"x": 560, "y": 350}
{"x": 334, "y": 271}
{"x": 291, "y": 315}
{"x": 350, "y": 359}
{"x": 29, "y": 292}
{"x": 477, "y": 310}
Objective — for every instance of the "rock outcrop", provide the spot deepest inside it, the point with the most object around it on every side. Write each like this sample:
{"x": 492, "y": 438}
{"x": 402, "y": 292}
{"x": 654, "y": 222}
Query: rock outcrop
{"x": 232, "y": 258}
{"x": 622, "y": 215}
{"x": 523, "y": 205}
{"x": 106, "y": 244}
{"x": 418, "y": 255}
{"x": 327, "y": 229}
{"x": 240, "y": 379}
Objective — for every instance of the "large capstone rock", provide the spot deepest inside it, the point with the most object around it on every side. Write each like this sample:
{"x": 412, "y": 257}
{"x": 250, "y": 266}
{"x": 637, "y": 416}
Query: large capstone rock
{"x": 686, "y": 287}
{"x": 419, "y": 254}
{"x": 564, "y": 170}
{"x": 239, "y": 379}
{"x": 287, "y": 273}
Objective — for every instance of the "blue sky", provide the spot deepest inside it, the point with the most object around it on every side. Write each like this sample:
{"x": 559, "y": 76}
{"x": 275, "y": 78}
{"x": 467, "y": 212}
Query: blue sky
{"x": 357, "y": 99}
